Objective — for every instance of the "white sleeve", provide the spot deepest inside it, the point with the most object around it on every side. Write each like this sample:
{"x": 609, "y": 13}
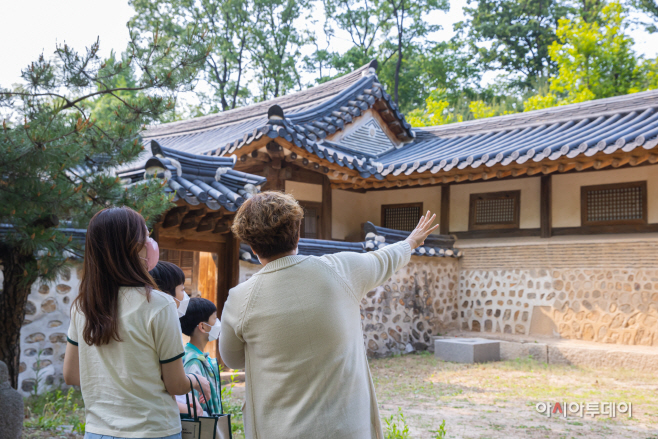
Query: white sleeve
{"x": 364, "y": 272}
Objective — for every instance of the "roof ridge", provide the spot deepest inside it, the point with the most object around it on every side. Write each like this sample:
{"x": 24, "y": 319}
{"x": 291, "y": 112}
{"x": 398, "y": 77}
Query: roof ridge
{"x": 564, "y": 113}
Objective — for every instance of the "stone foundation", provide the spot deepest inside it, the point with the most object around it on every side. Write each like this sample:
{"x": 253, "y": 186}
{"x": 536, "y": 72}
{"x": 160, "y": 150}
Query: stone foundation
{"x": 601, "y": 290}
{"x": 595, "y": 291}
{"x": 418, "y": 302}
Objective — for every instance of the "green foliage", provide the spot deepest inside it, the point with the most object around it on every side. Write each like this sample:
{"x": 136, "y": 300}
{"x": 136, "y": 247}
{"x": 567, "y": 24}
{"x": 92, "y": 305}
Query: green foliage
{"x": 233, "y": 407}
{"x": 73, "y": 121}
{"x": 595, "y": 60}
{"x": 68, "y": 126}
{"x": 437, "y": 111}
{"x": 276, "y": 46}
{"x": 396, "y": 426}
{"x": 440, "y": 433}
{"x": 227, "y": 25}
{"x": 52, "y": 410}
{"x": 517, "y": 34}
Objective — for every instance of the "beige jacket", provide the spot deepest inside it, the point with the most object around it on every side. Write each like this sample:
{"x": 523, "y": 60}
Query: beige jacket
{"x": 295, "y": 326}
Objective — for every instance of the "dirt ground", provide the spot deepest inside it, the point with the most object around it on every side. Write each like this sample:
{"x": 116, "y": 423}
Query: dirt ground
{"x": 497, "y": 400}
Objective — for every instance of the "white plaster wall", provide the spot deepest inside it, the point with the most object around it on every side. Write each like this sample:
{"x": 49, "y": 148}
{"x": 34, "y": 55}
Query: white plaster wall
{"x": 351, "y": 209}
{"x": 304, "y": 191}
{"x": 460, "y": 198}
{"x": 46, "y": 325}
{"x": 566, "y": 191}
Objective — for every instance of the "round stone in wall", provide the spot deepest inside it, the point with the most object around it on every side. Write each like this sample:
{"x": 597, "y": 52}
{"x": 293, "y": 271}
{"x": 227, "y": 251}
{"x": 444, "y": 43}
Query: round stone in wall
{"x": 58, "y": 337}
{"x": 49, "y": 305}
{"x": 30, "y": 308}
{"x": 44, "y": 289}
{"x": 35, "y": 338}
{"x": 65, "y": 274}
{"x": 63, "y": 289}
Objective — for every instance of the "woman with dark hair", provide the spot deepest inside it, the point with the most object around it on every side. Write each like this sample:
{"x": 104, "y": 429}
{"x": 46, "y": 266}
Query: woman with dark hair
{"x": 295, "y": 326}
{"x": 124, "y": 343}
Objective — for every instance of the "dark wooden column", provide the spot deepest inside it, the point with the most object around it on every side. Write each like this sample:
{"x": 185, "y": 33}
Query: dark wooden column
{"x": 545, "y": 207}
{"x": 325, "y": 221}
{"x": 444, "y": 216}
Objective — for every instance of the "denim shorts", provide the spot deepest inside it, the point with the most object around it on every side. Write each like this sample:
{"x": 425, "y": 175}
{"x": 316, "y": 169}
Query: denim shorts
{"x": 100, "y": 436}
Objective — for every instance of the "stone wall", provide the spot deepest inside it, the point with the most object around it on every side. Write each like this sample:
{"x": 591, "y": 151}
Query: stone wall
{"x": 604, "y": 290}
{"x": 43, "y": 335}
{"x": 418, "y": 302}
{"x": 601, "y": 289}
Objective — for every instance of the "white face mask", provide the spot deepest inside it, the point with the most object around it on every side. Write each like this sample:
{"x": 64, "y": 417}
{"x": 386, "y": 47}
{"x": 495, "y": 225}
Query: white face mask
{"x": 182, "y": 304}
{"x": 213, "y": 334}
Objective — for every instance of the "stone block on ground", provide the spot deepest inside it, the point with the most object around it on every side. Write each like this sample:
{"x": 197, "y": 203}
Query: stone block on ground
{"x": 11, "y": 407}
{"x": 615, "y": 357}
{"x": 510, "y": 350}
{"x": 467, "y": 350}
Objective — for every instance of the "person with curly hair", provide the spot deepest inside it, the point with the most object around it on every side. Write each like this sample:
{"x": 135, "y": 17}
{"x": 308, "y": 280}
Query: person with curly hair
{"x": 295, "y": 327}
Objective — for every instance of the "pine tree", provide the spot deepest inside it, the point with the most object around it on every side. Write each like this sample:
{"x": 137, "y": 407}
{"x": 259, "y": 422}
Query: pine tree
{"x": 65, "y": 131}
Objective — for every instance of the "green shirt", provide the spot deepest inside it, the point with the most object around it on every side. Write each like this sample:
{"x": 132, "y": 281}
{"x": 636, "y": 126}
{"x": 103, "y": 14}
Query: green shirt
{"x": 195, "y": 361}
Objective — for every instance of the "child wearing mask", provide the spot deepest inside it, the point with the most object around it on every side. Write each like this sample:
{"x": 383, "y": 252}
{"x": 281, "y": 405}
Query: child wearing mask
{"x": 201, "y": 324}
{"x": 171, "y": 280}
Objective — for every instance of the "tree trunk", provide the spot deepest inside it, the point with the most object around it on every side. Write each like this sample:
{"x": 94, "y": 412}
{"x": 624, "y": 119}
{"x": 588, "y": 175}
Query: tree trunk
{"x": 397, "y": 71}
{"x": 16, "y": 287}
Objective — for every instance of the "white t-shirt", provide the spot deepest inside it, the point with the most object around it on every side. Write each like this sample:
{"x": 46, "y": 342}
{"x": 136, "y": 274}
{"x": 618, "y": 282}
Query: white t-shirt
{"x": 121, "y": 382}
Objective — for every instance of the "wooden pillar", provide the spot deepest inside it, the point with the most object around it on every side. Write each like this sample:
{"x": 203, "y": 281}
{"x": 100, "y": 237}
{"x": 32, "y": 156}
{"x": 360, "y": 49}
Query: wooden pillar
{"x": 325, "y": 221}
{"x": 233, "y": 260}
{"x": 222, "y": 278}
{"x": 444, "y": 217}
{"x": 275, "y": 182}
{"x": 545, "y": 207}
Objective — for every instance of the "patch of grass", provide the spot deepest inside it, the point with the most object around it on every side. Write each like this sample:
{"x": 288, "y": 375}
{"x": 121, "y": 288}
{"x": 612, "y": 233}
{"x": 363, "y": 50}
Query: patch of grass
{"x": 440, "y": 433}
{"x": 52, "y": 410}
{"x": 234, "y": 408}
{"x": 396, "y": 426}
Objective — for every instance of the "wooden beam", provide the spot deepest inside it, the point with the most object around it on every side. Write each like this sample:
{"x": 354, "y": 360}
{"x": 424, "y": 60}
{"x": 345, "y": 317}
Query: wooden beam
{"x": 545, "y": 206}
{"x": 191, "y": 219}
{"x": 208, "y": 222}
{"x": 444, "y": 215}
{"x": 174, "y": 217}
{"x": 188, "y": 244}
{"x": 325, "y": 221}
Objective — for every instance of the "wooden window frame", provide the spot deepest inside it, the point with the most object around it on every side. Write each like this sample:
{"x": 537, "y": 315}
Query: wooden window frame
{"x": 583, "y": 204}
{"x": 397, "y": 206}
{"x": 515, "y": 224}
{"x": 313, "y": 205}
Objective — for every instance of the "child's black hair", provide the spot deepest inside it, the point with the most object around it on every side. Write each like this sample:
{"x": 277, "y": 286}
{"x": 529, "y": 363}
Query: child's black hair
{"x": 167, "y": 277}
{"x": 198, "y": 310}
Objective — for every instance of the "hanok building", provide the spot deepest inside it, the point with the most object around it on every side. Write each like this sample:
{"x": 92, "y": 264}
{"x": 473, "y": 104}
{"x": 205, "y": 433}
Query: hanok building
{"x": 554, "y": 212}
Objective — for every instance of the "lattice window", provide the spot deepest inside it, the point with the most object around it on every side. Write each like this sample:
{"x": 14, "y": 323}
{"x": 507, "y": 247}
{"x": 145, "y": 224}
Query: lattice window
{"x": 494, "y": 210}
{"x": 612, "y": 204}
{"x": 401, "y": 216}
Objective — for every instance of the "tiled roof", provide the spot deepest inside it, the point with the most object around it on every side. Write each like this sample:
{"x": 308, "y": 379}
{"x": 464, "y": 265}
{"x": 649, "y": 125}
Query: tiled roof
{"x": 605, "y": 126}
{"x": 376, "y": 238}
{"x": 312, "y": 113}
{"x": 203, "y": 179}
{"x": 435, "y": 245}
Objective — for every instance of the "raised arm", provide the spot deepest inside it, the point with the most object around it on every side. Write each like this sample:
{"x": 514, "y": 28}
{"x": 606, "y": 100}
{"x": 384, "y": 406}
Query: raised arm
{"x": 363, "y": 272}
